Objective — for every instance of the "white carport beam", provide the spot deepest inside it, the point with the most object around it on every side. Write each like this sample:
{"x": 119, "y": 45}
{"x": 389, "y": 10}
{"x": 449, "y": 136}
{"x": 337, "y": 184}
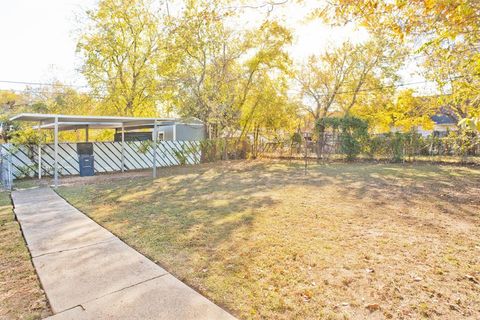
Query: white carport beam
{"x": 64, "y": 126}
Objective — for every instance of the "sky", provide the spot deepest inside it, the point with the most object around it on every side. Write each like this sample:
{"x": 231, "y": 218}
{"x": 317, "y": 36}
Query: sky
{"x": 38, "y": 43}
{"x": 38, "y": 39}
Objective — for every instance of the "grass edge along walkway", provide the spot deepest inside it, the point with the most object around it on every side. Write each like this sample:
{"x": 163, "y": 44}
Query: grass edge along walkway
{"x": 21, "y": 296}
{"x": 88, "y": 273}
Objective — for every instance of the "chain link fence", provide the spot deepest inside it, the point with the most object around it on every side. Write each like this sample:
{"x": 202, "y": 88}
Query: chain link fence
{"x": 392, "y": 146}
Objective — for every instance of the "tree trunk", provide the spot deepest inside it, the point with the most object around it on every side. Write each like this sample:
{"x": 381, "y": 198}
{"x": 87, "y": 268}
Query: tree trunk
{"x": 256, "y": 134}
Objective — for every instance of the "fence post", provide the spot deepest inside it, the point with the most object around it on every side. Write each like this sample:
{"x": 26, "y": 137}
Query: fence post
{"x": 55, "y": 175}
{"x": 9, "y": 171}
{"x": 123, "y": 148}
{"x": 39, "y": 152}
{"x": 155, "y": 149}
{"x": 39, "y": 161}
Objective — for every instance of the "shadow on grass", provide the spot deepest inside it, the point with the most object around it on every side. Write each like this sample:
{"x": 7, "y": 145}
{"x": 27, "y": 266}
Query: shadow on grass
{"x": 203, "y": 205}
{"x": 259, "y": 225}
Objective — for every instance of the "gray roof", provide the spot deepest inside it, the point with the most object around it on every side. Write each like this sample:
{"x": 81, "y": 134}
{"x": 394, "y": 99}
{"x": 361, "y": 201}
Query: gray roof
{"x": 443, "y": 119}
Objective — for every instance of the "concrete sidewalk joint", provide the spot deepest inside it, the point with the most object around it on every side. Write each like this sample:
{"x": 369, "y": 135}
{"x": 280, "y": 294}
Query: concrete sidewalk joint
{"x": 88, "y": 273}
{"x": 75, "y": 248}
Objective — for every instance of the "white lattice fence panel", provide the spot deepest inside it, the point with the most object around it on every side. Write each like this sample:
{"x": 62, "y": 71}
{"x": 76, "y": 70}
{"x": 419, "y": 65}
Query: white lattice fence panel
{"x": 108, "y": 157}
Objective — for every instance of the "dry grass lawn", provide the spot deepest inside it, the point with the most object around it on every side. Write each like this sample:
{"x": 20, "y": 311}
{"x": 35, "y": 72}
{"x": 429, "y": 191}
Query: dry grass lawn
{"x": 348, "y": 241}
{"x": 20, "y": 294}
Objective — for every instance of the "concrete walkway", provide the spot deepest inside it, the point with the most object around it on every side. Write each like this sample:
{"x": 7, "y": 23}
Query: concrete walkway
{"x": 88, "y": 273}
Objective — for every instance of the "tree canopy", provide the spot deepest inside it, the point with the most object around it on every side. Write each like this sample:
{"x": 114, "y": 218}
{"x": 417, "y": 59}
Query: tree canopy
{"x": 204, "y": 59}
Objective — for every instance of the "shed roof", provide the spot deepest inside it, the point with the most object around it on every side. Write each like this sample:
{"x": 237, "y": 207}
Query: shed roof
{"x": 72, "y": 122}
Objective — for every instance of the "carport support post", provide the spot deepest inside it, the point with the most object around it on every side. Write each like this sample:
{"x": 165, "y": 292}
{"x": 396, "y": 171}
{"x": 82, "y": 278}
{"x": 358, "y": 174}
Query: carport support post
{"x": 155, "y": 149}
{"x": 55, "y": 166}
{"x": 123, "y": 148}
{"x": 39, "y": 152}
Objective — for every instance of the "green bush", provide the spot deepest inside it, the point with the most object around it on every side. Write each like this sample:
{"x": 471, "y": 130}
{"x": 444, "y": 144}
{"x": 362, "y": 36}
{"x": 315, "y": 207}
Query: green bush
{"x": 395, "y": 146}
{"x": 353, "y": 133}
{"x": 181, "y": 155}
{"x": 145, "y": 146}
{"x": 463, "y": 141}
{"x": 224, "y": 149}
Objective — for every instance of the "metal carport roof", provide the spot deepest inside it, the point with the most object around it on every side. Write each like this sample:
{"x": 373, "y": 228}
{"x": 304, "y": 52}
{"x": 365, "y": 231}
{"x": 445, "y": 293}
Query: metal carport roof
{"x": 72, "y": 122}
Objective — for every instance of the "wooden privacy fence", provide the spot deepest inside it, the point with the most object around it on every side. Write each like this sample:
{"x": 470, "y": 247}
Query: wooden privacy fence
{"x": 23, "y": 161}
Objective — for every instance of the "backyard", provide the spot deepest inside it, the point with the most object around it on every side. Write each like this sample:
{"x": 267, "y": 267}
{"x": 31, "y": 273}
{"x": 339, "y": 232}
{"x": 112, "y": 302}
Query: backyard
{"x": 265, "y": 241}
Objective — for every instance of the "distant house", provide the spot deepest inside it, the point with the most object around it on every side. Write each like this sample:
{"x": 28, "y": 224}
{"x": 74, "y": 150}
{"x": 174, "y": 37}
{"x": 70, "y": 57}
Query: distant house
{"x": 442, "y": 125}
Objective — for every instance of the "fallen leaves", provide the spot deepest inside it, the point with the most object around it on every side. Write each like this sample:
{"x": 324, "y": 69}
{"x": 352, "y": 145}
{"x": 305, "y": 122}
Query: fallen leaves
{"x": 471, "y": 278}
{"x": 315, "y": 258}
{"x": 372, "y": 307}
